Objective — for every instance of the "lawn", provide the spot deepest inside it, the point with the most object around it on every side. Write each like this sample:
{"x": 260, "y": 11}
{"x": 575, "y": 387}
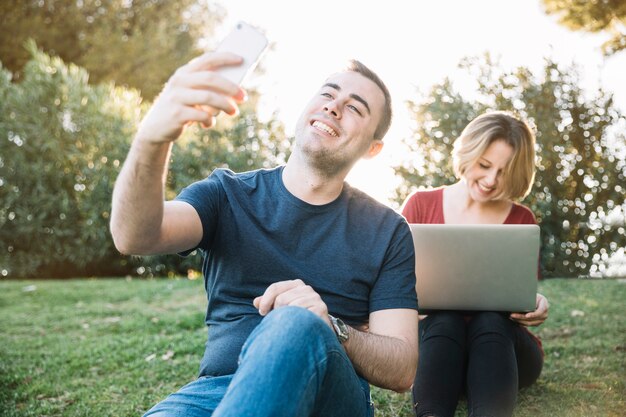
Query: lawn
{"x": 115, "y": 347}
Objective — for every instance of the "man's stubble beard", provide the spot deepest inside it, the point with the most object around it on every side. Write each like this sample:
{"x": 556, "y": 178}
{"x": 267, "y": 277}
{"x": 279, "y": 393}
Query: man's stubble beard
{"x": 327, "y": 163}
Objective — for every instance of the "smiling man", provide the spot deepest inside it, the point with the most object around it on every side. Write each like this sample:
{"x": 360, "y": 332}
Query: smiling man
{"x": 310, "y": 282}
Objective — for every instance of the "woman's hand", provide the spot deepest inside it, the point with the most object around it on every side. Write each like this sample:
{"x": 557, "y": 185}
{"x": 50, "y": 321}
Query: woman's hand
{"x": 534, "y": 318}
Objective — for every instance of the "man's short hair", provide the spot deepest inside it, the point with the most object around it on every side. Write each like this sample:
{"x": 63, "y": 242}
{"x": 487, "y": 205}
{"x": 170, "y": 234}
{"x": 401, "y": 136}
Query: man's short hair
{"x": 360, "y": 68}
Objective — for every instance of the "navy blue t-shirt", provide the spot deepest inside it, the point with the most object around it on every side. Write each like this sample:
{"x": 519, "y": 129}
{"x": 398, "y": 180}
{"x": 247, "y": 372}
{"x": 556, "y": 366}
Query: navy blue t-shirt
{"x": 356, "y": 253}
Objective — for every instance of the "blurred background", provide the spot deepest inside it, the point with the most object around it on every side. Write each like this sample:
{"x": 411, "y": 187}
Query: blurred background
{"x": 76, "y": 77}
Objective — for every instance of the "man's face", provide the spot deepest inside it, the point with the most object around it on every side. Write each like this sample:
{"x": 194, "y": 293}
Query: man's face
{"x": 337, "y": 126}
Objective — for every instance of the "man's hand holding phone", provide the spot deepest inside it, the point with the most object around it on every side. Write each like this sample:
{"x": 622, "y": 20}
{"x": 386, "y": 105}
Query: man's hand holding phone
{"x": 202, "y": 88}
{"x": 195, "y": 93}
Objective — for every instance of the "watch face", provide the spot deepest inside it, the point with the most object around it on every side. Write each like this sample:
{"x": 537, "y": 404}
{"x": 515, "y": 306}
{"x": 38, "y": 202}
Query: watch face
{"x": 341, "y": 330}
{"x": 343, "y": 337}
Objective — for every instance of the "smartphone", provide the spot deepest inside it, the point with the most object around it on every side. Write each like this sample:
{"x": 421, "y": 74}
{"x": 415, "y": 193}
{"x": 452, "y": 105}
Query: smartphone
{"x": 246, "y": 41}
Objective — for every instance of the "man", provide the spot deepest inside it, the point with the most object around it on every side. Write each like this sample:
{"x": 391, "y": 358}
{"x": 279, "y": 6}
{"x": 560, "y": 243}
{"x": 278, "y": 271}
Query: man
{"x": 283, "y": 249}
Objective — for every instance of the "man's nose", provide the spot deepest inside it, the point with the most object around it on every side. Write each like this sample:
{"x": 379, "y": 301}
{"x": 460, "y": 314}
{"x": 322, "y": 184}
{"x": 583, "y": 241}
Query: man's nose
{"x": 332, "y": 109}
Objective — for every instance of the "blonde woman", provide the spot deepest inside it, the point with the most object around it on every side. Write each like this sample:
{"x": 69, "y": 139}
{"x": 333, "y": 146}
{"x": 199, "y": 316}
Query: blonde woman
{"x": 485, "y": 355}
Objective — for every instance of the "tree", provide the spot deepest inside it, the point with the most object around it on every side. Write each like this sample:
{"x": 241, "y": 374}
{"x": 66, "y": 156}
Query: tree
{"x": 136, "y": 43}
{"x": 436, "y": 122}
{"x": 581, "y": 155}
{"x": 593, "y": 16}
{"x": 64, "y": 141}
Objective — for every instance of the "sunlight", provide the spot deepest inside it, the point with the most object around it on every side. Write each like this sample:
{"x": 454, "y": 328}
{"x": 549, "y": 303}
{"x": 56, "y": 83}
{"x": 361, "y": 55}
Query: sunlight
{"x": 412, "y": 46}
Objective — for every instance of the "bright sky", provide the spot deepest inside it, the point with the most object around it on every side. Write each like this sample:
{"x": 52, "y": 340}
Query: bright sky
{"x": 411, "y": 45}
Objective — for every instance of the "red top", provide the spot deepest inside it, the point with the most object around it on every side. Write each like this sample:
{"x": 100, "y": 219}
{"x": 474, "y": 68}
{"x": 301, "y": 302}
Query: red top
{"x": 426, "y": 207}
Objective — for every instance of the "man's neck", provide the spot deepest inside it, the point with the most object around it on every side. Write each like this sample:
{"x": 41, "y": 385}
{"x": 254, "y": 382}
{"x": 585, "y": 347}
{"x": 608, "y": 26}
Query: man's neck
{"x": 308, "y": 185}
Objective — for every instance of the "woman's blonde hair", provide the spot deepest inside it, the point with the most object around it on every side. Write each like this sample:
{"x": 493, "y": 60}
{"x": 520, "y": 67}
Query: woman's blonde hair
{"x": 481, "y": 132}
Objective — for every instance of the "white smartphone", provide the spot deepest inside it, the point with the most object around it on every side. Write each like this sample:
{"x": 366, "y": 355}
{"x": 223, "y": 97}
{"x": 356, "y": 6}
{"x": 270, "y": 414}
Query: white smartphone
{"x": 246, "y": 41}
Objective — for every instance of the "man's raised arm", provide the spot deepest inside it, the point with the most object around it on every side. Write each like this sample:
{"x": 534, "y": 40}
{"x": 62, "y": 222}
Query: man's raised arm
{"x": 141, "y": 222}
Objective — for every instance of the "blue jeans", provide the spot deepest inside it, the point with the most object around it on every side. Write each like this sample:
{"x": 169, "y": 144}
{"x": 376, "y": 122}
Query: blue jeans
{"x": 291, "y": 365}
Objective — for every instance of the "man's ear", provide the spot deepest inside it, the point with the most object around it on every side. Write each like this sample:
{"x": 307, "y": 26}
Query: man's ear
{"x": 375, "y": 147}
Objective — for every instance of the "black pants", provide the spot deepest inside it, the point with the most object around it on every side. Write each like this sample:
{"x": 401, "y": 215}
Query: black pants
{"x": 488, "y": 355}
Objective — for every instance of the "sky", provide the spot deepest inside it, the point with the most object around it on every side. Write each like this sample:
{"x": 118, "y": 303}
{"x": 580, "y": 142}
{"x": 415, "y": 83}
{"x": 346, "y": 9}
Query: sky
{"x": 412, "y": 45}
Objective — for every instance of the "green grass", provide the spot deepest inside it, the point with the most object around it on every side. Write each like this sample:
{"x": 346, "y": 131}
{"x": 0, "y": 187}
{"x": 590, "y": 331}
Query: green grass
{"x": 116, "y": 347}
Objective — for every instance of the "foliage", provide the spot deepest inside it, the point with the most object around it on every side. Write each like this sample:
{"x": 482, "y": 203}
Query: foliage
{"x": 137, "y": 43}
{"x": 435, "y": 123}
{"x": 116, "y": 347}
{"x": 593, "y": 16}
{"x": 581, "y": 163}
{"x": 63, "y": 142}
{"x": 242, "y": 144}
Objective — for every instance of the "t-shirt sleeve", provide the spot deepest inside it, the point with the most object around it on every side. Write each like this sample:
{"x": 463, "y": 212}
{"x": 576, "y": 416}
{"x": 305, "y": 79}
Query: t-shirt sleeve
{"x": 205, "y": 197}
{"x": 521, "y": 215}
{"x": 410, "y": 209}
{"x": 395, "y": 287}
{"x": 528, "y": 217}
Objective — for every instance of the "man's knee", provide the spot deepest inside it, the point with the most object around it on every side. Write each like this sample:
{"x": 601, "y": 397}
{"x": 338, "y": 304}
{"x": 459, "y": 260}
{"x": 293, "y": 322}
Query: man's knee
{"x": 291, "y": 329}
{"x": 291, "y": 345}
{"x": 293, "y": 320}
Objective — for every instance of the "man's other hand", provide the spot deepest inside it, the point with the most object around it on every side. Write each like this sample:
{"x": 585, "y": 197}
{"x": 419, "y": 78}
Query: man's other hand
{"x": 291, "y": 293}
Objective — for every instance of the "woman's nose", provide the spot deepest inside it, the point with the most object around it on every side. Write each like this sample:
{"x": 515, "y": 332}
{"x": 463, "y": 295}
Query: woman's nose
{"x": 491, "y": 178}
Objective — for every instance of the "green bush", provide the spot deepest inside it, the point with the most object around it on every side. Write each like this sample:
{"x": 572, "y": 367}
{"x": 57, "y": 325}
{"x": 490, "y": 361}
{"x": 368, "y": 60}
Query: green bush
{"x": 62, "y": 144}
{"x": 63, "y": 141}
{"x": 581, "y": 159}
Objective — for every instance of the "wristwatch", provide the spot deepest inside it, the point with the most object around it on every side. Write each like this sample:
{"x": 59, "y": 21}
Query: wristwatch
{"x": 341, "y": 329}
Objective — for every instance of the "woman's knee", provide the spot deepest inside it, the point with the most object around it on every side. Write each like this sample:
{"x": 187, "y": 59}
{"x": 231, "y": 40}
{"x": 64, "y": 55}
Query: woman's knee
{"x": 529, "y": 356}
{"x": 443, "y": 323}
{"x": 491, "y": 324}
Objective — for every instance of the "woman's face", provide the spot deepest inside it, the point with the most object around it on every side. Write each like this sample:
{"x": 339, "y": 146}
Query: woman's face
{"x": 484, "y": 177}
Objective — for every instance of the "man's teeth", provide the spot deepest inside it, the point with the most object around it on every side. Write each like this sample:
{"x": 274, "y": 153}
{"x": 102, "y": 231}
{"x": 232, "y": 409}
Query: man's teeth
{"x": 325, "y": 128}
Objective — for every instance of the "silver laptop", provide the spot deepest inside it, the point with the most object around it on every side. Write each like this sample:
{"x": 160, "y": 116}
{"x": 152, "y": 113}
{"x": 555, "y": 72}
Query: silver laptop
{"x": 476, "y": 267}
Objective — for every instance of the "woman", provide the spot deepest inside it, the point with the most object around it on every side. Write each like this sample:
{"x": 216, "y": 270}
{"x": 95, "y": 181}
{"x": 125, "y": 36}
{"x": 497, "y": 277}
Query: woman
{"x": 486, "y": 355}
